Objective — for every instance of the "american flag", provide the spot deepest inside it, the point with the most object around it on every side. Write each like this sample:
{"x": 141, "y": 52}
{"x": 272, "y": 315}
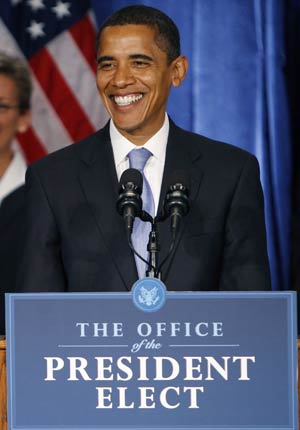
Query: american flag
{"x": 57, "y": 38}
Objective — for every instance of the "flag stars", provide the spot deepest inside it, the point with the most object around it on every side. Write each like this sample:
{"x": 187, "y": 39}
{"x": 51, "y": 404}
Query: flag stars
{"x": 36, "y": 4}
{"x": 15, "y": 2}
{"x": 61, "y": 9}
{"x": 36, "y": 29}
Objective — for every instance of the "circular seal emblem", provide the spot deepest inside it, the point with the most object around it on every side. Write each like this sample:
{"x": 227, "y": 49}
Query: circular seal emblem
{"x": 149, "y": 294}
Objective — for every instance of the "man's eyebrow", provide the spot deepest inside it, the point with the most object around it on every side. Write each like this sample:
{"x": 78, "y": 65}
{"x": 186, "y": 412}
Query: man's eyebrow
{"x": 131, "y": 57}
{"x": 105, "y": 58}
{"x": 140, "y": 57}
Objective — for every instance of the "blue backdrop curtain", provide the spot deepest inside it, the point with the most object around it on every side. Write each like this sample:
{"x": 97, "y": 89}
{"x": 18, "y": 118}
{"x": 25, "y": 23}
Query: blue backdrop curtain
{"x": 236, "y": 92}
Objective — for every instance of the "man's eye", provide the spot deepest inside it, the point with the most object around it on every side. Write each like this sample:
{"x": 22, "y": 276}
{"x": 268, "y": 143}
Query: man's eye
{"x": 140, "y": 63}
{"x": 105, "y": 66}
{"x": 4, "y": 107}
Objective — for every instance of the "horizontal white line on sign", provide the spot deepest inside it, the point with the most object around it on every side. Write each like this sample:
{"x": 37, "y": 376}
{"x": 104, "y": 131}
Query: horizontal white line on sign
{"x": 201, "y": 346}
{"x": 92, "y": 346}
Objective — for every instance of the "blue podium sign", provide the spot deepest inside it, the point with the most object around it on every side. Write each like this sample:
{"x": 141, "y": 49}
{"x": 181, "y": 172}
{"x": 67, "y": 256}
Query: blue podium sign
{"x": 200, "y": 361}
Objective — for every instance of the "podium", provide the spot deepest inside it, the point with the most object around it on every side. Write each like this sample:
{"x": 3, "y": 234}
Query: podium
{"x": 3, "y": 369}
{"x": 3, "y": 400}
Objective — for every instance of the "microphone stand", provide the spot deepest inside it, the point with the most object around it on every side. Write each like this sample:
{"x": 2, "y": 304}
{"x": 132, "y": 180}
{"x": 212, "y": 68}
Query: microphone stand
{"x": 153, "y": 248}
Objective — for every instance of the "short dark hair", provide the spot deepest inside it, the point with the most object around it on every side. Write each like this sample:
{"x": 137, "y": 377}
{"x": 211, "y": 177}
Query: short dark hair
{"x": 167, "y": 37}
{"x": 17, "y": 70}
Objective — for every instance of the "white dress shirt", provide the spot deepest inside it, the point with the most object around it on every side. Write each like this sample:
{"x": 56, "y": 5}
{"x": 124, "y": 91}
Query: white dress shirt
{"x": 14, "y": 175}
{"x": 154, "y": 168}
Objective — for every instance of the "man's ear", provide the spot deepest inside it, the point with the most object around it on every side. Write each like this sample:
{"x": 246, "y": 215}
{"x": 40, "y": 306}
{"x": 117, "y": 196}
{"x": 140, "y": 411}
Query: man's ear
{"x": 23, "y": 122}
{"x": 180, "y": 67}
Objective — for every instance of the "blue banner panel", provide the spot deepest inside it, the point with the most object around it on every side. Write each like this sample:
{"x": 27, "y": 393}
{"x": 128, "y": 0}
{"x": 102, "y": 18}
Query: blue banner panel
{"x": 201, "y": 361}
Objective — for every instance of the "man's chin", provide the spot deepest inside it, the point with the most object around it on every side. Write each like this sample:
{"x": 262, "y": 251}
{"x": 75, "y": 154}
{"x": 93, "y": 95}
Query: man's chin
{"x": 127, "y": 127}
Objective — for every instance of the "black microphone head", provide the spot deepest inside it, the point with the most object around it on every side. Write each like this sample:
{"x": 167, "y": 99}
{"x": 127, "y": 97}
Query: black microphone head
{"x": 129, "y": 202}
{"x": 134, "y": 177}
{"x": 177, "y": 198}
{"x": 179, "y": 178}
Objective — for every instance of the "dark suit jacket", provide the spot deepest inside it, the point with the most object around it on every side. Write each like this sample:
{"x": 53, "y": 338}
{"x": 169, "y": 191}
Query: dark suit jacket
{"x": 11, "y": 236}
{"x": 76, "y": 239}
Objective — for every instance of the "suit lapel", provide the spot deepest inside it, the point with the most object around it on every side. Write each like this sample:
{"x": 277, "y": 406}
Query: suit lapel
{"x": 99, "y": 182}
{"x": 181, "y": 155}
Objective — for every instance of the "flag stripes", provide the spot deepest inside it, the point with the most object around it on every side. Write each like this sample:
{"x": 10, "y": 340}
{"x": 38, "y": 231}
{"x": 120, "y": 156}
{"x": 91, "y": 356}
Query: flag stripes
{"x": 65, "y": 103}
{"x": 59, "y": 94}
{"x": 84, "y": 90}
{"x": 84, "y": 35}
{"x": 31, "y": 145}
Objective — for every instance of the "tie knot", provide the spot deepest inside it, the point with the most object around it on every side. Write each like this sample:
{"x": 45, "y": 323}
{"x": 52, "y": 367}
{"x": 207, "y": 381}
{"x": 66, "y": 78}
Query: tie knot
{"x": 138, "y": 158}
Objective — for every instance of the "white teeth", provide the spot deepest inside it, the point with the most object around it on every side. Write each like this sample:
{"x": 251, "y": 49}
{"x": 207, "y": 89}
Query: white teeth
{"x": 127, "y": 100}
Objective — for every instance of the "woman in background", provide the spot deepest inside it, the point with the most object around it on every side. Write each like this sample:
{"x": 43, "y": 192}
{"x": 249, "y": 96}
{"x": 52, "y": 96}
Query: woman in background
{"x": 15, "y": 93}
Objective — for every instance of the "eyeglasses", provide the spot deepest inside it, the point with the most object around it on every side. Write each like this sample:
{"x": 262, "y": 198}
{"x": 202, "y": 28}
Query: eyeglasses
{"x": 6, "y": 107}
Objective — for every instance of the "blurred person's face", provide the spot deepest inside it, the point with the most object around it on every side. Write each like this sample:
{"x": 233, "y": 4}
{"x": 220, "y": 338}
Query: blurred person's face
{"x": 134, "y": 79}
{"x": 11, "y": 120}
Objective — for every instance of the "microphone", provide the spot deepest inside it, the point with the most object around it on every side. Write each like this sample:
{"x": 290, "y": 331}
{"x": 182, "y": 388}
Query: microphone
{"x": 129, "y": 203}
{"x": 176, "y": 204}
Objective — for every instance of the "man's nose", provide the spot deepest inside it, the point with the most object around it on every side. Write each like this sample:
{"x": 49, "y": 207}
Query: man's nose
{"x": 123, "y": 76}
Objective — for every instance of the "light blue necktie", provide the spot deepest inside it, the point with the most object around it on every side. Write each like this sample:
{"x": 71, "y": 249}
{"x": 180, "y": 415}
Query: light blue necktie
{"x": 140, "y": 235}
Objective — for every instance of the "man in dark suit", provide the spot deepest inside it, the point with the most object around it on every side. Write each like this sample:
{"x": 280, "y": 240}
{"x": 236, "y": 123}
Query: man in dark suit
{"x": 76, "y": 240}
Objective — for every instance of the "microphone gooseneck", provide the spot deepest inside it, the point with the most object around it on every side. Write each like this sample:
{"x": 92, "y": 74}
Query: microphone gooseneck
{"x": 176, "y": 204}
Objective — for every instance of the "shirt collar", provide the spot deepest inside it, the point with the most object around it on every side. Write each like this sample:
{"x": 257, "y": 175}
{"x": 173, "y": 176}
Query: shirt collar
{"x": 157, "y": 144}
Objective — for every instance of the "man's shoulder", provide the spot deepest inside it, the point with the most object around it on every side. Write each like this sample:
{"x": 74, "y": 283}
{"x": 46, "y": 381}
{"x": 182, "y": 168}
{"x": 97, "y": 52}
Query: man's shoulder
{"x": 213, "y": 150}
{"x": 16, "y": 196}
{"x": 82, "y": 149}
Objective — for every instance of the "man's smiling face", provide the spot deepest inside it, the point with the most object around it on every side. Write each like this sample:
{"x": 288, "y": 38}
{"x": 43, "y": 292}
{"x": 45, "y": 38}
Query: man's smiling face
{"x": 134, "y": 80}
